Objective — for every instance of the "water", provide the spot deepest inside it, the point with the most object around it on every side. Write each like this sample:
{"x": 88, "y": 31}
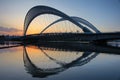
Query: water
{"x": 59, "y": 62}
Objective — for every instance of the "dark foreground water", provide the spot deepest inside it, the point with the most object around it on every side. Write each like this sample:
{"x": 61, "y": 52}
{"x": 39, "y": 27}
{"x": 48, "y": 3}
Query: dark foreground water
{"x": 59, "y": 61}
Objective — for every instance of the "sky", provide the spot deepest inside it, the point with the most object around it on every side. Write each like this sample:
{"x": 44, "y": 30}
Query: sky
{"x": 104, "y": 14}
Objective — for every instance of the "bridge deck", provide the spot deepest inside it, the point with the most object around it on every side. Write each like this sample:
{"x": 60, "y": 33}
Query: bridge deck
{"x": 74, "y": 36}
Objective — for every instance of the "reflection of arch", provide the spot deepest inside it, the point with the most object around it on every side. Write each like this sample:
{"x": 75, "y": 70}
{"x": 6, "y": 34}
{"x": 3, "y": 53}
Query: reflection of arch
{"x": 78, "y": 62}
{"x": 40, "y": 10}
{"x": 77, "y": 19}
{"x": 34, "y": 70}
{"x": 39, "y": 72}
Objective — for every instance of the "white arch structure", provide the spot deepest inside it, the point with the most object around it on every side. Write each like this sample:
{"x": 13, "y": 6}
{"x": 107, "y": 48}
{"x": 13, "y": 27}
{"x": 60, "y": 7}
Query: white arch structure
{"x": 40, "y": 10}
{"x": 77, "y": 19}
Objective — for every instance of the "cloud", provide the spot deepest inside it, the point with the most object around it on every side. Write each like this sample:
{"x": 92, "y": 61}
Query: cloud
{"x": 10, "y": 31}
{"x": 6, "y": 29}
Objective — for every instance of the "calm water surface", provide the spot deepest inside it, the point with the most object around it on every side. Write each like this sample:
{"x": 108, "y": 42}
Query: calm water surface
{"x": 55, "y": 63}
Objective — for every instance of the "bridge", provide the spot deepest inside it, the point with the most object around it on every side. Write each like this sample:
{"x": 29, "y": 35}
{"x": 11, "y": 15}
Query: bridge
{"x": 59, "y": 37}
{"x": 75, "y": 28}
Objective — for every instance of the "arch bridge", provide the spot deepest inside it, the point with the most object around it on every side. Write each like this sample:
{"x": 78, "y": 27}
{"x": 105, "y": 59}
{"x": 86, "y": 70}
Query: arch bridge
{"x": 89, "y": 31}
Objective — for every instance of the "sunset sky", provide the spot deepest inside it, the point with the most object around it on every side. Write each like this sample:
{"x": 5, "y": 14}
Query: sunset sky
{"x": 104, "y": 14}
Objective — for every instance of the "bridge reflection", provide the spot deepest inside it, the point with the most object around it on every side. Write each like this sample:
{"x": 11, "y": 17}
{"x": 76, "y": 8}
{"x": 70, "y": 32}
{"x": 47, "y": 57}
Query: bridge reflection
{"x": 63, "y": 55}
{"x": 83, "y": 54}
{"x": 42, "y": 72}
{"x": 77, "y": 46}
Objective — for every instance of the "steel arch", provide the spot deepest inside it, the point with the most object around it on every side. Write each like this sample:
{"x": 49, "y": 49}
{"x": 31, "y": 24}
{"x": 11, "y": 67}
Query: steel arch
{"x": 39, "y": 10}
{"x": 77, "y": 19}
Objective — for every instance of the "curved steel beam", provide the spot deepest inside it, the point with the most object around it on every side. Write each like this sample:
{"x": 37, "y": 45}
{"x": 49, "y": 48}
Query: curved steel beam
{"x": 40, "y": 10}
{"x": 77, "y": 19}
{"x": 85, "y": 22}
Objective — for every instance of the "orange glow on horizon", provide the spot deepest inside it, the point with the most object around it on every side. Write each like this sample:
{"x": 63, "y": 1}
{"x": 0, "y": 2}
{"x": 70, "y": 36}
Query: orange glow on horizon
{"x": 19, "y": 33}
